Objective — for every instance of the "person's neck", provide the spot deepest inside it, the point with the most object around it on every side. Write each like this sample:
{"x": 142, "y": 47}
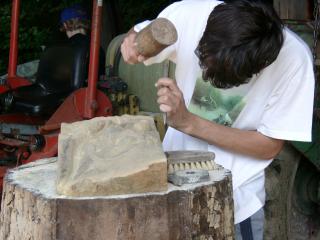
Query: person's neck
{"x": 74, "y": 32}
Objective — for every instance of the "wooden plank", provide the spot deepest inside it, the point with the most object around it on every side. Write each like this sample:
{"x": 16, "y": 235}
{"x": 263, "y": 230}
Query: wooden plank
{"x": 293, "y": 9}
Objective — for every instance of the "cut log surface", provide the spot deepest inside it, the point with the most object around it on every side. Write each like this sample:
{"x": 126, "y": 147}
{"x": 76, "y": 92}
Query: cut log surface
{"x": 32, "y": 209}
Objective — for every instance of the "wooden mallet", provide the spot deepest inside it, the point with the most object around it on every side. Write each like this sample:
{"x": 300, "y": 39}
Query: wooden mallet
{"x": 151, "y": 40}
{"x": 158, "y": 35}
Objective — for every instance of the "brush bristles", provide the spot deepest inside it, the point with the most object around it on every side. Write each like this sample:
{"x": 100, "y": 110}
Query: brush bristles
{"x": 204, "y": 165}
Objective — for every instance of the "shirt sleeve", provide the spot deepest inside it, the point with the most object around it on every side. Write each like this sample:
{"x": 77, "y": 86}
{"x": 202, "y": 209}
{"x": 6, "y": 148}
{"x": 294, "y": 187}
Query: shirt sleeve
{"x": 142, "y": 25}
{"x": 169, "y": 52}
{"x": 288, "y": 113}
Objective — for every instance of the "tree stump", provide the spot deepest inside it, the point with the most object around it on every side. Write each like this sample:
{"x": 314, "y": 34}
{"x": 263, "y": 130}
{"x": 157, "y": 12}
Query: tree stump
{"x": 31, "y": 209}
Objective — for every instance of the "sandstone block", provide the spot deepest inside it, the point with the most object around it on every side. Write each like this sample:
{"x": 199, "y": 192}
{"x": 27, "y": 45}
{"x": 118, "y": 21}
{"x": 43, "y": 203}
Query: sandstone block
{"x": 110, "y": 156}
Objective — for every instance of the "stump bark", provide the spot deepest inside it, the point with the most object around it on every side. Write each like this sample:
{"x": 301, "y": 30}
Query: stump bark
{"x": 31, "y": 209}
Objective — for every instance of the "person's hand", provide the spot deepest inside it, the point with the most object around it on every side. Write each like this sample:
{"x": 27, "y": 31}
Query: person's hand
{"x": 129, "y": 50}
{"x": 171, "y": 102}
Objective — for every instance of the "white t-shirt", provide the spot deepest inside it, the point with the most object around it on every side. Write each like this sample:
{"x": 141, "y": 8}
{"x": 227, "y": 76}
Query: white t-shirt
{"x": 277, "y": 102}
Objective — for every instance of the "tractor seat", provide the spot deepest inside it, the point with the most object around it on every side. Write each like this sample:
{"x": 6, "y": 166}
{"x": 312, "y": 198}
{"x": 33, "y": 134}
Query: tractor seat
{"x": 61, "y": 71}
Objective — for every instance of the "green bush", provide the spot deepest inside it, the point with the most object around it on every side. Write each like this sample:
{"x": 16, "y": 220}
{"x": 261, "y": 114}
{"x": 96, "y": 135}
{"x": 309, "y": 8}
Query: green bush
{"x": 134, "y": 11}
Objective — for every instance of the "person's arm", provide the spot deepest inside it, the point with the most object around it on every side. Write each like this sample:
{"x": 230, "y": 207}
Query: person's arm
{"x": 251, "y": 143}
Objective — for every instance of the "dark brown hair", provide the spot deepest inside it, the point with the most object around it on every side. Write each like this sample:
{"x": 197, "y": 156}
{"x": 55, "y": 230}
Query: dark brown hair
{"x": 241, "y": 38}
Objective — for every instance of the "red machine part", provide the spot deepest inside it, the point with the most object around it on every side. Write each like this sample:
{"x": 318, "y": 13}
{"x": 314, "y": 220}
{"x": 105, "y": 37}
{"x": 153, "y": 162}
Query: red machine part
{"x": 50, "y": 149}
{"x": 71, "y": 110}
{"x": 82, "y": 104}
{"x": 13, "y": 55}
{"x": 13, "y": 81}
{"x": 91, "y": 103}
{"x": 19, "y": 118}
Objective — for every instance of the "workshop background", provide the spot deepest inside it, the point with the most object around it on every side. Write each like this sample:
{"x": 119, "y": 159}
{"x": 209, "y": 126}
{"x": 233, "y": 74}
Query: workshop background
{"x": 293, "y": 179}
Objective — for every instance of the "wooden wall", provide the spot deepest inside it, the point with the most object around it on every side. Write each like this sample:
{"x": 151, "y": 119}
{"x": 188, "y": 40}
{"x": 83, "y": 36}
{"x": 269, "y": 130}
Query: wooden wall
{"x": 294, "y": 9}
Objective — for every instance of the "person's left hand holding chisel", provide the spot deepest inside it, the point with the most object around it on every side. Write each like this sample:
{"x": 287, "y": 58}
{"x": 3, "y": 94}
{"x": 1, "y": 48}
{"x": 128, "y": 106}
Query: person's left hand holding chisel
{"x": 171, "y": 102}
